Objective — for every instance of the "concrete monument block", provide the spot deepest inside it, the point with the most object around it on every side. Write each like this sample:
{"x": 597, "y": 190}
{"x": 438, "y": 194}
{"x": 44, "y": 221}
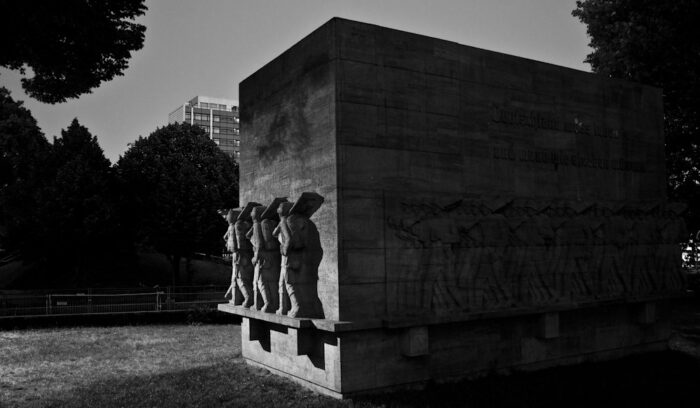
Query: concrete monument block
{"x": 450, "y": 211}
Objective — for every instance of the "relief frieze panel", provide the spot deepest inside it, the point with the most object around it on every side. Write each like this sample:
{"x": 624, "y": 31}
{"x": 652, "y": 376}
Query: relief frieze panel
{"x": 474, "y": 255}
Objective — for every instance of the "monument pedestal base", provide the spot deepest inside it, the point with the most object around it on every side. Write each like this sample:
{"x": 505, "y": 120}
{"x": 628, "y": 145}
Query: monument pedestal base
{"x": 342, "y": 359}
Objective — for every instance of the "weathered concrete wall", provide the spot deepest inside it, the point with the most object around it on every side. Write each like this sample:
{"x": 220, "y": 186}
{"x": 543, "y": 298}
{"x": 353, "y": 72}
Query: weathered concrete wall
{"x": 487, "y": 346}
{"x": 424, "y": 122}
{"x": 288, "y": 141}
{"x": 431, "y": 115}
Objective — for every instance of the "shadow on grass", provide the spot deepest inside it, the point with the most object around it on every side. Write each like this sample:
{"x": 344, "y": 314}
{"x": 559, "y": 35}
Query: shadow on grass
{"x": 652, "y": 380}
{"x": 664, "y": 379}
{"x": 227, "y": 384}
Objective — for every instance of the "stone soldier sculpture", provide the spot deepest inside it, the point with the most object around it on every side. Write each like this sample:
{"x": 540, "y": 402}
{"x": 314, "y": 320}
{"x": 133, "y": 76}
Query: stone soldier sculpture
{"x": 230, "y": 238}
{"x": 492, "y": 275}
{"x": 580, "y": 249}
{"x": 472, "y": 252}
{"x": 242, "y": 257}
{"x": 557, "y": 251}
{"x": 261, "y": 300}
{"x": 545, "y": 232}
{"x": 266, "y": 257}
{"x": 437, "y": 234}
{"x": 637, "y": 253}
{"x": 300, "y": 254}
{"x": 607, "y": 280}
{"x": 617, "y": 233}
{"x": 528, "y": 234}
{"x": 282, "y": 234}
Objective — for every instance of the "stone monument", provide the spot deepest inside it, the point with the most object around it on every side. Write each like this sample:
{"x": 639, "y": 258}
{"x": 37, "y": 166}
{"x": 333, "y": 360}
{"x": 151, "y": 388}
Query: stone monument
{"x": 449, "y": 212}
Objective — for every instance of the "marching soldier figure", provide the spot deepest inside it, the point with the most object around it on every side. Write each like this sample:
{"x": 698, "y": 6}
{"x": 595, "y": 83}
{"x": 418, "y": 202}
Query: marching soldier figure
{"x": 266, "y": 256}
{"x": 242, "y": 258}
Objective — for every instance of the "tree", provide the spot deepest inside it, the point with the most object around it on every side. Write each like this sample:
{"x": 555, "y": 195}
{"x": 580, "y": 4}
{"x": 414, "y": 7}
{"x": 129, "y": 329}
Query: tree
{"x": 656, "y": 43}
{"x": 70, "y": 46}
{"x": 174, "y": 181}
{"x": 23, "y": 174}
{"x": 57, "y": 204}
{"x": 80, "y": 208}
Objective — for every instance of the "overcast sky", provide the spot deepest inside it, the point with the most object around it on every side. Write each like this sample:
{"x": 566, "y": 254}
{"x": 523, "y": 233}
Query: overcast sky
{"x": 207, "y": 47}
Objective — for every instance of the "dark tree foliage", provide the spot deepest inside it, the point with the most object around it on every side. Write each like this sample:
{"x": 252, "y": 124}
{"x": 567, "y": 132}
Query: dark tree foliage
{"x": 71, "y": 46}
{"x": 23, "y": 173}
{"x": 174, "y": 182}
{"x": 657, "y": 43}
{"x": 80, "y": 211}
{"x": 56, "y": 201}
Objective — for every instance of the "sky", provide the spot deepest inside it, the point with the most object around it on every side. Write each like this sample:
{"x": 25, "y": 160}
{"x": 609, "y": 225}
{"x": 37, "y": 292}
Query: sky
{"x": 207, "y": 47}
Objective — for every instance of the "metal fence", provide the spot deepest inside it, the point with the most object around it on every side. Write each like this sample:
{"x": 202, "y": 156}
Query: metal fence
{"x": 113, "y": 300}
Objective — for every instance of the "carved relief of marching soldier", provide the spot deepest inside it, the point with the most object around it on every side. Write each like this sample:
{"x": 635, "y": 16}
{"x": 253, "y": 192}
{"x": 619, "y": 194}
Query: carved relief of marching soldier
{"x": 406, "y": 297}
{"x": 444, "y": 266}
{"x": 606, "y": 256}
{"x": 616, "y": 232}
{"x": 469, "y": 254}
{"x": 580, "y": 250}
{"x": 230, "y": 239}
{"x": 637, "y": 257}
{"x": 649, "y": 234}
{"x": 242, "y": 258}
{"x": 492, "y": 275}
{"x": 545, "y": 284}
{"x": 557, "y": 255}
{"x": 439, "y": 236}
{"x": 301, "y": 255}
{"x": 528, "y": 252}
{"x": 266, "y": 257}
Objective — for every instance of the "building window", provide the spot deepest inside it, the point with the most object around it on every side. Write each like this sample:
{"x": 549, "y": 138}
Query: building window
{"x": 229, "y": 142}
{"x": 217, "y": 118}
{"x": 216, "y": 130}
{"x": 236, "y": 131}
{"x": 217, "y": 141}
{"x": 206, "y": 128}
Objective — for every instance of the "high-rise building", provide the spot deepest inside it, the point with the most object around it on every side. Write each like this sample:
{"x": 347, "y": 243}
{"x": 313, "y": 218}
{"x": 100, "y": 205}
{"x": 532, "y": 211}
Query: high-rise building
{"x": 218, "y": 117}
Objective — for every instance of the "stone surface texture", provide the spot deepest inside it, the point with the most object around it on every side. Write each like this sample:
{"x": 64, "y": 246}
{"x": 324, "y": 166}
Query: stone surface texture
{"x": 482, "y": 211}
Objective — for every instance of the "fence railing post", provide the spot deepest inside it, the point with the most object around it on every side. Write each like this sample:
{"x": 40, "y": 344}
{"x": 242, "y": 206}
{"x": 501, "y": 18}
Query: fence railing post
{"x": 165, "y": 299}
{"x": 89, "y": 300}
{"x": 169, "y": 300}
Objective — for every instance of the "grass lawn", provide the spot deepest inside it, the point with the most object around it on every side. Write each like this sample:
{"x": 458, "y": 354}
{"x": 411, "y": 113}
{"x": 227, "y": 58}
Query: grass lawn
{"x": 138, "y": 366}
{"x": 182, "y": 365}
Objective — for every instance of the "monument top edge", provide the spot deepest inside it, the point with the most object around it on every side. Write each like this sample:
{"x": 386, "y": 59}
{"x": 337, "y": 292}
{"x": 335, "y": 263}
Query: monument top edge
{"x": 333, "y": 21}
